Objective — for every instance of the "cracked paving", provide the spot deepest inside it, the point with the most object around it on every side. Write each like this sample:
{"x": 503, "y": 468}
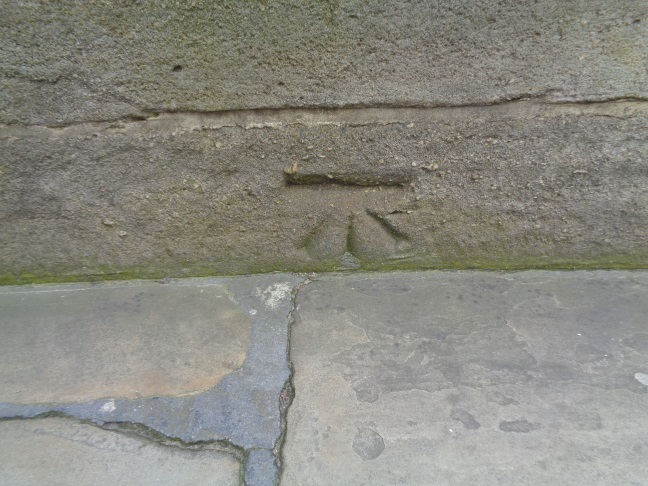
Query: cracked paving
{"x": 95, "y": 346}
{"x": 364, "y": 378}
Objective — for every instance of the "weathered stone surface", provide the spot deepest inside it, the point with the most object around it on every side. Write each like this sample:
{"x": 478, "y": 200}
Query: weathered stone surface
{"x": 515, "y": 185}
{"x": 190, "y": 189}
{"x": 71, "y": 61}
{"x": 75, "y": 343}
{"x": 58, "y": 451}
{"x": 470, "y": 378}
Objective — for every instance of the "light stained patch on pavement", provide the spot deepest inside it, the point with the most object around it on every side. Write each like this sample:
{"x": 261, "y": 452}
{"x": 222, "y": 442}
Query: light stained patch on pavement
{"x": 642, "y": 378}
{"x": 275, "y": 294}
{"x": 108, "y": 406}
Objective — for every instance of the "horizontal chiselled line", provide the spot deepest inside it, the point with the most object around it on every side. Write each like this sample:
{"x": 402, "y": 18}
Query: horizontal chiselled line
{"x": 389, "y": 178}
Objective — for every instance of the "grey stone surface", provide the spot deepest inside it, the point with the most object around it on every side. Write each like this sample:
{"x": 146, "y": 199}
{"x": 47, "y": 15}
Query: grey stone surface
{"x": 240, "y": 412}
{"x": 71, "y": 61}
{"x": 260, "y": 467}
{"x": 516, "y": 185}
{"x": 470, "y": 378}
{"x": 58, "y": 452}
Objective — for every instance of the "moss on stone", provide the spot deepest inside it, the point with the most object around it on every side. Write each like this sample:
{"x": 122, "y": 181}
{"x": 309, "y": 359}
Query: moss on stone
{"x": 99, "y": 274}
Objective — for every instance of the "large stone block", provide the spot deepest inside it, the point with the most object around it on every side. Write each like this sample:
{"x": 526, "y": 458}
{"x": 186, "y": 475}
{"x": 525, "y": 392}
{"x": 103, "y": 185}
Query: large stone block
{"x": 513, "y": 185}
{"x": 70, "y": 61}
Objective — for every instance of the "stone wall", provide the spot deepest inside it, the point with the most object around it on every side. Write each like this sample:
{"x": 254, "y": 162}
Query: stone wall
{"x": 153, "y": 139}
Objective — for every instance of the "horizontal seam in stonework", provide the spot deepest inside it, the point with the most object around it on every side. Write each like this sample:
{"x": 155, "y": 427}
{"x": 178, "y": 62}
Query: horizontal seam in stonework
{"x": 378, "y": 114}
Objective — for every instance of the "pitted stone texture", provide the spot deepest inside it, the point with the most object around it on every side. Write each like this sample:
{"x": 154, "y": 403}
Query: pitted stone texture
{"x": 76, "y": 61}
{"x": 516, "y": 185}
{"x": 56, "y": 451}
{"x": 469, "y": 378}
{"x": 77, "y": 343}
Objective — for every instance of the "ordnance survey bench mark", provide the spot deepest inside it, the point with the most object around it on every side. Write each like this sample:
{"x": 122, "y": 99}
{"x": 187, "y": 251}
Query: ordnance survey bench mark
{"x": 352, "y": 221}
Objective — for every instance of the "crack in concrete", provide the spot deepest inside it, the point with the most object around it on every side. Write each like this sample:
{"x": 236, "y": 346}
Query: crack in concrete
{"x": 140, "y": 419}
{"x": 144, "y": 433}
{"x": 141, "y": 431}
{"x": 288, "y": 393}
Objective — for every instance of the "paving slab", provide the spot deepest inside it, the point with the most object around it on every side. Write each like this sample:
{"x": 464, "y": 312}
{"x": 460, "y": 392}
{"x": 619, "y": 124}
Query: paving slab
{"x": 76, "y": 343}
{"x": 194, "y": 361}
{"x": 57, "y": 451}
{"x": 470, "y": 378}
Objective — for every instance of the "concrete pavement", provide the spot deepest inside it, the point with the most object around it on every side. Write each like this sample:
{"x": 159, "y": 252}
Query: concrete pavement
{"x": 398, "y": 378}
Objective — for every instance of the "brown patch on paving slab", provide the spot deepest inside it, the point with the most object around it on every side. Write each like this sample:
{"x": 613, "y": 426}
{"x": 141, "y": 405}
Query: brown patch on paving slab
{"x": 78, "y": 343}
